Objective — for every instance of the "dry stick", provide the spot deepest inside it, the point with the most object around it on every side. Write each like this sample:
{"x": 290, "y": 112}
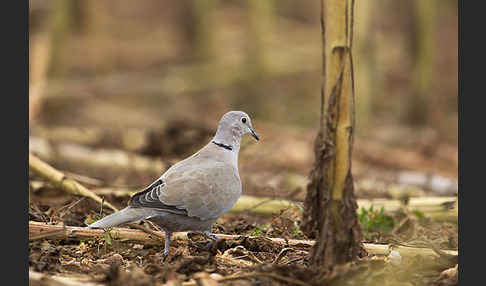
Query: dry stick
{"x": 281, "y": 254}
{"x": 147, "y": 230}
{"x": 132, "y": 235}
{"x": 69, "y": 207}
{"x": 57, "y": 178}
{"x": 111, "y": 159}
{"x": 84, "y": 233}
{"x": 48, "y": 234}
{"x": 84, "y": 179}
{"x": 400, "y": 224}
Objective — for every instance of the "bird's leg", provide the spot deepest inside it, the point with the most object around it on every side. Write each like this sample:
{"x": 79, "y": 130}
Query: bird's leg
{"x": 168, "y": 234}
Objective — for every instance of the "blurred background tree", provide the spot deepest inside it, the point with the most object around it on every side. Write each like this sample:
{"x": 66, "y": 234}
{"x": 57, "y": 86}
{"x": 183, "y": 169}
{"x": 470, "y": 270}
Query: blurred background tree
{"x": 119, "y": 65}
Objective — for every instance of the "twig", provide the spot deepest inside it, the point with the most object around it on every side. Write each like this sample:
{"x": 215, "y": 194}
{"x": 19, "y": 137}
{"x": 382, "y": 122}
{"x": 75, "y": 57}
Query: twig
{"x": 281, "y": 254}
{"x": 252, "y": 256}
{"x": 56, "y": 177}
{"x": 84, "y": 179}
{"x": 153, "y": 225}
{"x": 258, "y": 204}
{"x": 402, "y": 222}
{"x": 149, "y": 231}
{"x": 295, "y": 259}
{"x": 70, "y": 206}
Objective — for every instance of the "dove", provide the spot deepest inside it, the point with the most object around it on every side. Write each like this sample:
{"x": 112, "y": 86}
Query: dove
{"x": 193, "y": 193}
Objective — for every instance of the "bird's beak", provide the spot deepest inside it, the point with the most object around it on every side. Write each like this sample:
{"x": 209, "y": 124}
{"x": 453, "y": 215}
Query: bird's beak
{"x": 254, "y": 134}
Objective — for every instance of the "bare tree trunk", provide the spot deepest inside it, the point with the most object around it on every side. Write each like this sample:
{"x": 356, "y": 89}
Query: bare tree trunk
{"x": 261, "y": 18}
{"x": 330, "y": 206}
{"x": 61, "y": 24}
{"x": 198, "y": 27}
{"x": 424, "y": 37}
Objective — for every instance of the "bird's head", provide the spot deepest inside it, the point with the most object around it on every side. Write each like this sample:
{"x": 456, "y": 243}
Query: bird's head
{"x": 239, "y": 123}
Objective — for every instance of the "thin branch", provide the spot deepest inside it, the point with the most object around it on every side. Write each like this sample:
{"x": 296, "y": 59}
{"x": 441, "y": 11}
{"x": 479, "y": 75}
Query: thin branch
{"x": 57, "y": 178}
{"x": 281, "y": 254}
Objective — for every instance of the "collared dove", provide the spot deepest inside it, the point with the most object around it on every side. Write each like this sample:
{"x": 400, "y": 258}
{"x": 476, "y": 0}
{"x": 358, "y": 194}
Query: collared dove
{"x": 192, "y": 194}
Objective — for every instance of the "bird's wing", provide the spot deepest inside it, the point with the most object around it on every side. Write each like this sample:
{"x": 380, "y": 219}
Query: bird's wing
{"x": 205, "y": 188}
{"x": 149, "y": 198}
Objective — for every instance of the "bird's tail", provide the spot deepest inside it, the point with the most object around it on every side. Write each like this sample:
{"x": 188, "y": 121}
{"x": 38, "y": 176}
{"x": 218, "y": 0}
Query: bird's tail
{"x": 125, "y": 215}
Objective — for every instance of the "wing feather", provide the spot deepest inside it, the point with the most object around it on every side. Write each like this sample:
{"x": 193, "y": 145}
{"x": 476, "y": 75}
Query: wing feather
{"x": 149, "y": 198}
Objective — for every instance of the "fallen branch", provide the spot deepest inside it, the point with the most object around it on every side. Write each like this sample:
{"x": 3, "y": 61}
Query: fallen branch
{"x": 432, "y": 207}
{"x": 111, "y": 159}
{"x": 57, "y": 178}
{"x": 48, "y": 234}
{"x": 138, "y": 236}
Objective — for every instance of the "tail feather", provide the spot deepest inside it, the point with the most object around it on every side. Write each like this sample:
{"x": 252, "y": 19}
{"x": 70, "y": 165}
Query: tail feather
{"x": 126, "y": 215}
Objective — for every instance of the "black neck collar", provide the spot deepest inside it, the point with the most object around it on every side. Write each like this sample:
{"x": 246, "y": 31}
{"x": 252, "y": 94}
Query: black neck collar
{"x": 227, "y": 147}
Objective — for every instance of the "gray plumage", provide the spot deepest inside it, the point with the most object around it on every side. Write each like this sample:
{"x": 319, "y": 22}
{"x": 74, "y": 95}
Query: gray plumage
{"x": 195, "y": 192}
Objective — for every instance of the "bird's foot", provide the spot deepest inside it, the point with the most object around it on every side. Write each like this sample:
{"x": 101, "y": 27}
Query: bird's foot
{"x": 165, "y": 255}
{"x": 210, "y": 235}
{"x": 210, "y": 246}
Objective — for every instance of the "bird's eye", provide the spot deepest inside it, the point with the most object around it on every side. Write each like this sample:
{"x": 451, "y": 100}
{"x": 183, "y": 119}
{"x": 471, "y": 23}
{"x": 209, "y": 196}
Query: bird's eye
{"x": 243, "y": 119}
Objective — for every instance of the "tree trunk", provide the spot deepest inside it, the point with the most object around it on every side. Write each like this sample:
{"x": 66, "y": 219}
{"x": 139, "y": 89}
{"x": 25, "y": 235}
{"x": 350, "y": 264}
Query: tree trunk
{"x": 424, "y": 38}
{"x": 330, "y": 205}
{"x": 197, "y": 26}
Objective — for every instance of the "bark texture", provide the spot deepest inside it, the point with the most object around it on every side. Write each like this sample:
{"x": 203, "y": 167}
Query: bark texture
{"x": 330, "y": 206}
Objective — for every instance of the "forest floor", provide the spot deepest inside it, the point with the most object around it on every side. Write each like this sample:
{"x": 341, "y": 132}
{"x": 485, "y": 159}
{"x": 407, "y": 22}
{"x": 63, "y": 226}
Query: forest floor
{"x": 132, "y": 106}
{"x": 380, "y": 172}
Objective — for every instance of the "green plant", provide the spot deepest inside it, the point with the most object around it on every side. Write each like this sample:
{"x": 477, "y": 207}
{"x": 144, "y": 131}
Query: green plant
{"x": 421, "y": 217}
{"x": 93, "y": 218}
{"x": 373, "y": 220}
{"x": 107, "y": 238}
{"x": 259, "y": 230}
{"x": 297, "y": 232}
